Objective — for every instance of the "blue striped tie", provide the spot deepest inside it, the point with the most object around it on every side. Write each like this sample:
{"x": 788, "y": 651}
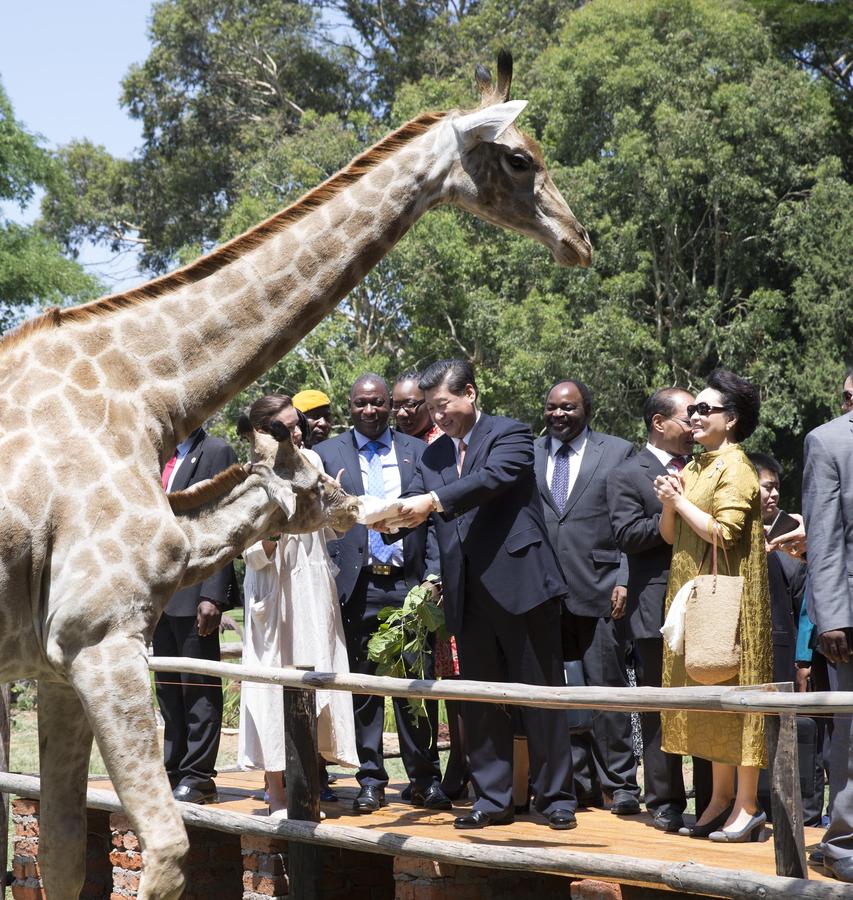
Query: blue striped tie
{"x": 560, "y": 478}
{"x": 379, "y": 550}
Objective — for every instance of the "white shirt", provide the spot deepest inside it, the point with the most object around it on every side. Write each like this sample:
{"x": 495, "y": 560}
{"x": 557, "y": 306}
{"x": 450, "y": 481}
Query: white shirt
{"x": 467, "y": 438}
{"x": 576, "y": 450}
{"x": 181, "y": 451}
{"x": 664, "y": 457}
{"x": 390, "y": 478}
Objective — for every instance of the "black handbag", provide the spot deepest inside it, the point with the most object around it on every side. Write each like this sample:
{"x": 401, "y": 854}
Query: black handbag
{"x": 580, "y": 720}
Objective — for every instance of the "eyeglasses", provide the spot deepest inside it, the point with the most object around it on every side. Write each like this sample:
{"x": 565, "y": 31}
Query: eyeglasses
{"x": 408, "y": 405}
{"x": 703, "y": 409}
{"x": 847, "y": 396}
{"x": 684, "y": 422}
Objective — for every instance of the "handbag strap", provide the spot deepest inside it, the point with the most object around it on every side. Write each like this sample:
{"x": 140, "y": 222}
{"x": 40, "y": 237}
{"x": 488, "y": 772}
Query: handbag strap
{"x": 713, "y": 548}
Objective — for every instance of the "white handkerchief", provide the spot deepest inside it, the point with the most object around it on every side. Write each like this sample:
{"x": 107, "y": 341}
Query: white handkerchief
{"x": 673, "y": 627}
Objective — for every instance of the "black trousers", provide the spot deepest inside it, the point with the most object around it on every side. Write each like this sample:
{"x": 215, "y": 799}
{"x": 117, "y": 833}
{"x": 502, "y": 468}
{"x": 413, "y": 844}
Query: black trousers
{"x": 191, "y": 704}
{"x": 417, "y": 742}
{"x": 663, "y": 776}
{"x": 495, "y": 645}
{"x": 604, "y": 758}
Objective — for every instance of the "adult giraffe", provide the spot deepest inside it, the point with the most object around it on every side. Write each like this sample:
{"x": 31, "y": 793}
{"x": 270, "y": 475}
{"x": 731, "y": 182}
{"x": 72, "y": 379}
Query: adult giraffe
{"x": 94, "y": 399}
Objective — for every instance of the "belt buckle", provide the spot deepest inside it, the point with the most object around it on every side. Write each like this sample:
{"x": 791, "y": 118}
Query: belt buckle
{"x": 380, "y": 569}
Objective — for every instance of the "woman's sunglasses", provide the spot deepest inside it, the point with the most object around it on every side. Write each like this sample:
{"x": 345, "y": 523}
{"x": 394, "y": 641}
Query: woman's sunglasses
{"x": 703, "y": 409}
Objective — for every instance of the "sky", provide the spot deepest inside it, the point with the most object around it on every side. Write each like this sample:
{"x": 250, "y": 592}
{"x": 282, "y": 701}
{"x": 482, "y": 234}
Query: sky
{"x": 61, "y": 63}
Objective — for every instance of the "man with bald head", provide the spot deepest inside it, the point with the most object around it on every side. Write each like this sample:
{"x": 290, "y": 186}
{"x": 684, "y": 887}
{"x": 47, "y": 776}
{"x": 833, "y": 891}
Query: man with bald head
{"x": 572, "y": 463}
{"x": 378, "y": 461}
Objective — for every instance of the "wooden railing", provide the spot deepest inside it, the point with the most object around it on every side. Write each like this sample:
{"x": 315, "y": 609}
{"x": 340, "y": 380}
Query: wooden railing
{"x": 302, "y": 827}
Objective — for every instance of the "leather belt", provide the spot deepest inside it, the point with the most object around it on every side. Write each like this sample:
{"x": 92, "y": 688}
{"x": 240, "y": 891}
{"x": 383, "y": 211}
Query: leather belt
{"x": 381, "y": 569}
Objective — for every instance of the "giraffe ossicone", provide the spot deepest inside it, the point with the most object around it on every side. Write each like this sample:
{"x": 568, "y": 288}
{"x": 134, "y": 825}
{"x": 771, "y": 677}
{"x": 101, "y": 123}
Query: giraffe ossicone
{"x": 90, "y": 548}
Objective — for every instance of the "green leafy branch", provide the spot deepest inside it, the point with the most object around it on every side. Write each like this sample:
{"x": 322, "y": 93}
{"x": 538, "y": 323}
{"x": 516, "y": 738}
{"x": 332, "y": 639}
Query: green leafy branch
{"x": 399, "y": 646}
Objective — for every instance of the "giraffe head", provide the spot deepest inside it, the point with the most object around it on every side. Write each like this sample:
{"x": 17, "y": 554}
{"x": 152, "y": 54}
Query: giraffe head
{"x": 499, "y": 173}
{"x": 308, "y": 497}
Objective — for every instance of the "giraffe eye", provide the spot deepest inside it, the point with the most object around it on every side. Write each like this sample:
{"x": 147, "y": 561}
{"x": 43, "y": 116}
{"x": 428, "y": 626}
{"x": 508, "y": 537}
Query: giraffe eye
{"x": 518, "y": 162}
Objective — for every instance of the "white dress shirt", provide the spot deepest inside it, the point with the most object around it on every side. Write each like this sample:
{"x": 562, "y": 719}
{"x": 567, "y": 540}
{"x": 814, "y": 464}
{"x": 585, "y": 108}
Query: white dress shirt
{"x": 576, "y": 450}
{"x": 390, "y": 478}
{"x": 665, "y": 458}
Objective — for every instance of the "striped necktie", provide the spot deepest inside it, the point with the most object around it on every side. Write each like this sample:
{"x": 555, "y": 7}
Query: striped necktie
{"x": 560, "y": 478}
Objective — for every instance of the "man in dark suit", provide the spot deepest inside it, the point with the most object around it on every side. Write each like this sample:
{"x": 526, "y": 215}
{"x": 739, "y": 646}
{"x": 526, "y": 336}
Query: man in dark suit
{"x": 501, "y": 585}
{"x": 634, "y": 514}
{"x": 572, "y": 465}
{"x": 828, "y": 510}
{"x": 376, "y": 460}
{"x": 192, "y": 704}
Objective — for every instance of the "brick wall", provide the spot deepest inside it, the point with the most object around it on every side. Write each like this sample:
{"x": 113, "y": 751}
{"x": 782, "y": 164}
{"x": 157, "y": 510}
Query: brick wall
{"x": 26, "y": 884}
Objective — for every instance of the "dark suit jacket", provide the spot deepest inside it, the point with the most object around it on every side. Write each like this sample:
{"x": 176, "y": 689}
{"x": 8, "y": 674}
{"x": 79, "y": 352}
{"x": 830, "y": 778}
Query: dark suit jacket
{"x": 491, "y": 528}
{"x": 635, "y": 517}
{"x": 787, "y": 580}
{"x": 583, "y": 536}
{"x": 351, "y": 553}
{"x": 207, "y": 457}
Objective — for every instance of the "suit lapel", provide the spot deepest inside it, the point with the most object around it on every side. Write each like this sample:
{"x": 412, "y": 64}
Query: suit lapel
{"x": 651, "y": 464}
{"x": 541, "y": 449}
{"x": 448, "y": 465}
{"x": 478, "y": 439}
{"x": 589, "y": 463}
{"x": 352, "y": 466}
{"x": 405, "y": 459}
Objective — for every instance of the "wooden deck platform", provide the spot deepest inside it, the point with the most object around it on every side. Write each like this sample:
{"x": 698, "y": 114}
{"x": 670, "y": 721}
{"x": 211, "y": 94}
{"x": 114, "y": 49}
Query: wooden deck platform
{"x": 598, "y": 831}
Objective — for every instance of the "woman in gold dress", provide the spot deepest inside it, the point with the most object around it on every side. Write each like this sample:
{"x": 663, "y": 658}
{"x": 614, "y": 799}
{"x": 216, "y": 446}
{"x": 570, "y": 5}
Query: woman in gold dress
{"x": 719, "y": 491}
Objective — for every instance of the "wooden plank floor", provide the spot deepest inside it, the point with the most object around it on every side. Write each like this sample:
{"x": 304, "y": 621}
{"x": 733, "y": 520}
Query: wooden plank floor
{"x": 598, "y": 831}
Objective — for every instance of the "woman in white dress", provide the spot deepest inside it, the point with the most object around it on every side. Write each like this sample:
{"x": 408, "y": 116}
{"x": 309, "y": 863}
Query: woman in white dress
{"x": 292, "y": 617}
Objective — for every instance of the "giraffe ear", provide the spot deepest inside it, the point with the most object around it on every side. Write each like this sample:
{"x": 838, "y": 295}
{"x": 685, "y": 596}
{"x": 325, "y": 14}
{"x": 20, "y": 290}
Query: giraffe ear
{"x": 488, "y": 124}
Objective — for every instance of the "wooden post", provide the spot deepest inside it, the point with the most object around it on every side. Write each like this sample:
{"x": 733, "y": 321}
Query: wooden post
{"x": 786, "y": 800}
{"x": 5, "y": 731}
{"x": 303, "y": 788}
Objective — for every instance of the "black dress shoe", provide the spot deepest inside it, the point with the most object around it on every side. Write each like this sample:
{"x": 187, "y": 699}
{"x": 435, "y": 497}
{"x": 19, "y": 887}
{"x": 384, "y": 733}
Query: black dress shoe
{"x": 817, "y": 856}
{"x": 203, "y": 793}
{"x": 327, "y": 795}
{"x": 479, "y": 819}
{"x": 406, "y": 793}
{"x": 668, "y": 821}
{"x": 842, "y": 869}
{"x": 433, "y": 798}
{"x": 369, "y": 799}
{"x": 626, "y": 805}
{"x": 562, "y": 820}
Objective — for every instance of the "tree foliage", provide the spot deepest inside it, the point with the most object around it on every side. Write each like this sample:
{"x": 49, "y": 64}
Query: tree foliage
{"x": 33, "y": 270}
{"x": 704, "y": 144}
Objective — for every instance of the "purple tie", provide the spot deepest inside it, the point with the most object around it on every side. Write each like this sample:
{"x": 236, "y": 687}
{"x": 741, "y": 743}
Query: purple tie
{"x": 560, "y": 478}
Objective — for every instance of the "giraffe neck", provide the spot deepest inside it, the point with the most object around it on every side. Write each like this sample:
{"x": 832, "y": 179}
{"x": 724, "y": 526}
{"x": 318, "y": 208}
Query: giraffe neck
{"x": 208, "y": 340}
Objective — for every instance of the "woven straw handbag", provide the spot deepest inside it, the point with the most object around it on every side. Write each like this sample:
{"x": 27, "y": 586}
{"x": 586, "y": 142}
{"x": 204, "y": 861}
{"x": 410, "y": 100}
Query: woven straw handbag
{"x": 712, "y": 623}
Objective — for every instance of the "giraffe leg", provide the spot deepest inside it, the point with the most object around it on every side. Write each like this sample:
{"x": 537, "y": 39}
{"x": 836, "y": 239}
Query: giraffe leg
{"x": 112, "y": 680}
{"x": 65, "y": 743}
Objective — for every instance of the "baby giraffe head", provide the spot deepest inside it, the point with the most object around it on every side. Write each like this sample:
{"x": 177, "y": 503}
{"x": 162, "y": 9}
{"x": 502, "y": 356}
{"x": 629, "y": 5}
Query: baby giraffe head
{"x": 499, "y": 173}
{"x": 308, "y": 497}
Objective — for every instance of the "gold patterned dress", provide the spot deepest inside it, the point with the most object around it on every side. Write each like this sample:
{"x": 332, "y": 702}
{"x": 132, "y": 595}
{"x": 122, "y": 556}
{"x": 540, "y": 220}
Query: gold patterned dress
{"x": 724, "y": 484}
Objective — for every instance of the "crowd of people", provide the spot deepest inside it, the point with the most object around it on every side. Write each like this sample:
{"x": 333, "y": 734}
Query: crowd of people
{"x": 561, "y": 559}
